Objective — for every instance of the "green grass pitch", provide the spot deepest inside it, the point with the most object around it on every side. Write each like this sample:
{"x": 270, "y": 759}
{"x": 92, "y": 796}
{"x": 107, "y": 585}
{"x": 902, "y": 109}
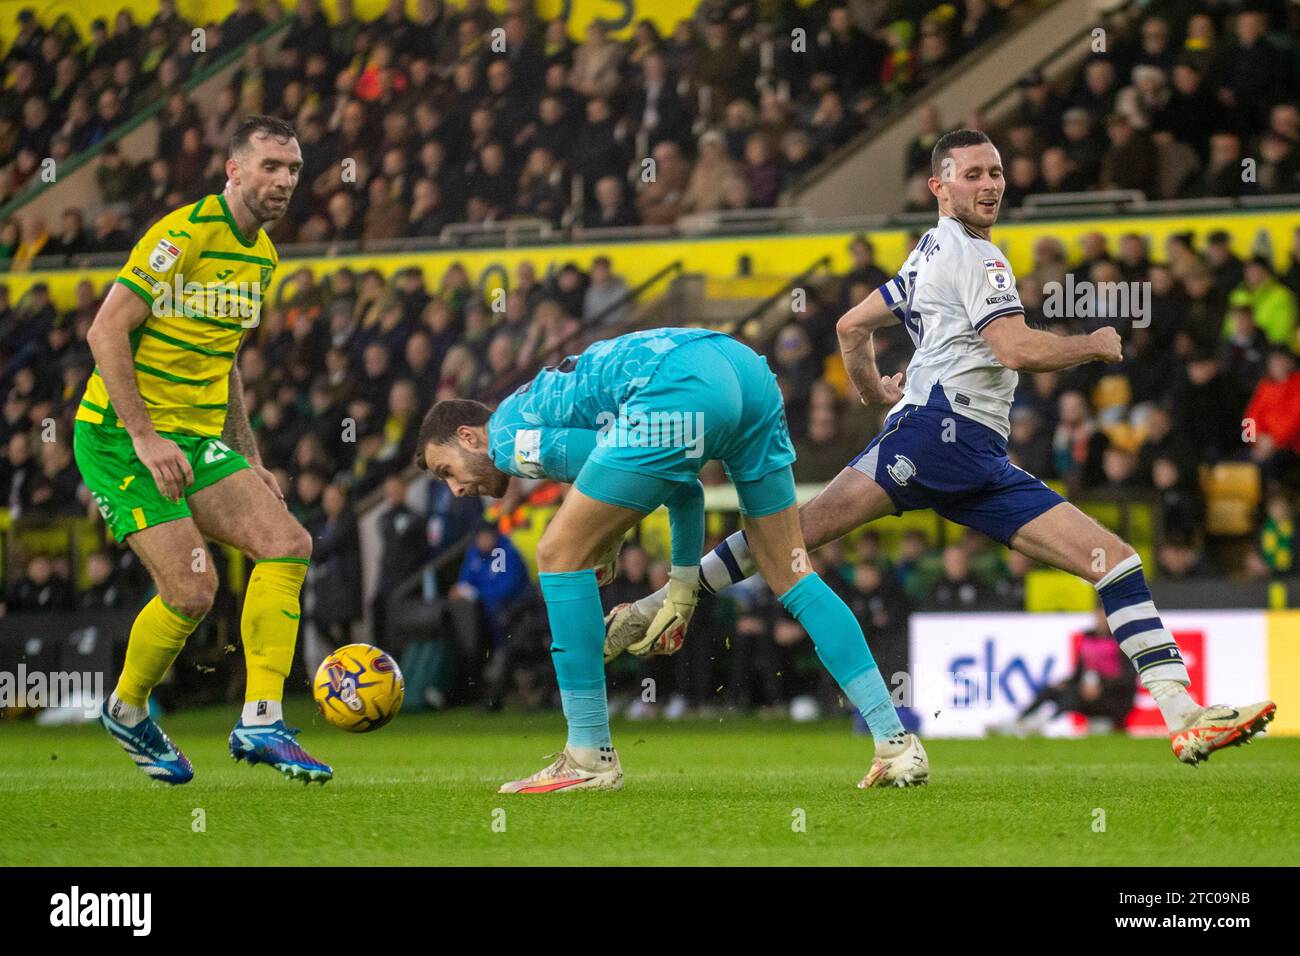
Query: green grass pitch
{"x": 422, "y": 791}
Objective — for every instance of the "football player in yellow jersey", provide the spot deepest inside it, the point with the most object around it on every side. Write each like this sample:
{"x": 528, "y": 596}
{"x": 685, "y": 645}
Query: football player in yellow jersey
{"x": 163, "y": 442}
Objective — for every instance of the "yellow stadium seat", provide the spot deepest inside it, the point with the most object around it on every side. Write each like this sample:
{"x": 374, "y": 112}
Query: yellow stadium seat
{"x": 1232, "y": 494}
{"x": 1111, "y": 391}
{"x": 836, "y": 375}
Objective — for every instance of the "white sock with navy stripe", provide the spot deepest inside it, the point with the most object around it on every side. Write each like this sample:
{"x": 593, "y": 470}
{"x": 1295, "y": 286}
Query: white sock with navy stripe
{"x": 1136, "y": 625}
{"x": 727, "y": 564}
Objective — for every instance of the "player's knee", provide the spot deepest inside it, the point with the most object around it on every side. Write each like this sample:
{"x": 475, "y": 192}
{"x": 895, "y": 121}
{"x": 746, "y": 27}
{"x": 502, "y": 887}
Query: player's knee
{"x": 298, "y": 542}
{"x": 192, "y": 594}
{"x": 556, "y": 556}
{"x": 1116, "y": 552}
{"x": 548, "y": 554}
{"x": 1121, "y": 552}
{"x": 288, "y": 540}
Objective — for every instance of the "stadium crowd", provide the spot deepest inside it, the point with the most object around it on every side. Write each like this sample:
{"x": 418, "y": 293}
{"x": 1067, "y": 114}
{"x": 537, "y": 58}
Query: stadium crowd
{"x": 462, "y": 115}
{"x": 1184, "y": 101}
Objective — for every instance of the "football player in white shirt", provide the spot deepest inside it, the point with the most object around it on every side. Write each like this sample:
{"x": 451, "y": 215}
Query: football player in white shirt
{"x": 944, "y": 443}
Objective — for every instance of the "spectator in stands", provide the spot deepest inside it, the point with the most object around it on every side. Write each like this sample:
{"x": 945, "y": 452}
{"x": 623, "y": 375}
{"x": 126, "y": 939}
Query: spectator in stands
{"x": 1272, "y": 303}
{"x": 1192, "y": 112}
{"x": 106, "y": 592}
{"x": 1077, "y": 444}
{"x": 660, "y": 201}
{"x": 335, "y": 579}
{"x": 1097, "y": 88}
{"x": 1182, "y": 558}
{"x": 43, "y": 587}
{"x": 1272, "y": 417}
{"x": 1208, "y": 407}
{"x": 54, "y": 490}
{"x": 1040, "y": 107}
{"x": 762, "y": 172}
{"x": 1245, "y": 349}
{"x": 242, "y": 25}
{"x": 493, "y": 585}
{"x": 1223, "y": 172}
{"x": 1009, "y": 591}
{"x": 1275, "y": 549}
{"x": 1059, "y": 172}
{"x": 1083, "y": 143}
{"x": 957, "y": 589}
{"x": 823, "y": 451}
{"x": 1030, "y": 445}
{"x": 1130, "y": 161}
{"x": 403, "y": 550}
{"x": 605, "y": 290}
{"x": 612, "y": 209}
{"x": 19, "y": 473}
{"x": 1251, "y": 71}
{"x": 597, "y": 63}
{"x": 1182, "y": 506}
{"x": 1227, "y": 268}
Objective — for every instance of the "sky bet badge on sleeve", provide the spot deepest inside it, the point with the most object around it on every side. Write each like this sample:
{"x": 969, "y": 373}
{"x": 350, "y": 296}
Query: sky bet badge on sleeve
{"x": 164, "y": 255}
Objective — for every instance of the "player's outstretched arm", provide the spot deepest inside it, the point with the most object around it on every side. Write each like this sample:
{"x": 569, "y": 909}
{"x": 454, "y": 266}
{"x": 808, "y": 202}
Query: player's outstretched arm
{"x": 109, "y": 339}
{"x": 1022, "y": 349}
{"x": 855, "y": 329}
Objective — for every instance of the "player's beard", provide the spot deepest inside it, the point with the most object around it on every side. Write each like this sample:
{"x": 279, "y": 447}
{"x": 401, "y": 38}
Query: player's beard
{"x": 266, "y": 210}
{"x": 484, "y": 477}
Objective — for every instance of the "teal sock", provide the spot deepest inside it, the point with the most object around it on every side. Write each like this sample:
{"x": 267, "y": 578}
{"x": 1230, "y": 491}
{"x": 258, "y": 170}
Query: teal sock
{"x": 843, "y": 649}
{"x": 577, "y": 650}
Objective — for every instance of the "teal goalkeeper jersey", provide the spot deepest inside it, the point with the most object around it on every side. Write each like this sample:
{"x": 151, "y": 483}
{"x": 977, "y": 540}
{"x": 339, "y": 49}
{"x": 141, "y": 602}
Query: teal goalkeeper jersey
{"x": 549, "y": 426}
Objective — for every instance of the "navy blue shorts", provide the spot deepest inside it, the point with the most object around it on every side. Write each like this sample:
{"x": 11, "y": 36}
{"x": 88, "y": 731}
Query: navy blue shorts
{"x": 927, "y": 457}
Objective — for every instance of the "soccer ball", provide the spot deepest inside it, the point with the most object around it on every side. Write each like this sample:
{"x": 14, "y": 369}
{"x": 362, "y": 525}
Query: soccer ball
{"x": 358, "y": 688}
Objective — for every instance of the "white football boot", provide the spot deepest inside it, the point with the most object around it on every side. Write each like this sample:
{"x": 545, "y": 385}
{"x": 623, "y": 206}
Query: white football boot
{"x": 577, "y": 768}
{"x": 1219, "y": 726}
{"x": 908, "y": 767}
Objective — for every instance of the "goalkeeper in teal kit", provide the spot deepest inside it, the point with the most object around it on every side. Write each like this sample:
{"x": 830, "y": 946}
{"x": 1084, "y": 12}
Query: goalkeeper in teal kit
{"x": 629, "y": 423}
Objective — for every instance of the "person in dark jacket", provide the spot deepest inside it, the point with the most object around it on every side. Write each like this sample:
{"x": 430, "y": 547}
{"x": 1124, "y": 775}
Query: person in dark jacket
{"x": 336, "y": 568}
{"x": 403, "y": 550}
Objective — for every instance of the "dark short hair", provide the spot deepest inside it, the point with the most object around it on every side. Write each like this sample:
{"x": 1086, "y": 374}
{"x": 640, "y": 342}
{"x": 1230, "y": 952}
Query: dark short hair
{"x": 440, "y": 424}
{"x": 956, "y": 139}
{"x": 249, "y": 126}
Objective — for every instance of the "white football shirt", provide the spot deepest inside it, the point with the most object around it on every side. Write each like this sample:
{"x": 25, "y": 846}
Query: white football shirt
{"x": 954, "y": 284}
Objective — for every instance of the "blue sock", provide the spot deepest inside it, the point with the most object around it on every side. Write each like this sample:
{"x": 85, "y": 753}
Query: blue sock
{"x": 577, "y": 649}
{"x": 843, "y": 649}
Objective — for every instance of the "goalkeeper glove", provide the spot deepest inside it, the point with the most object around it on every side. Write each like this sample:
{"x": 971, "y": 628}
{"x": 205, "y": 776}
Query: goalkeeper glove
{"x": 668, "y": 628}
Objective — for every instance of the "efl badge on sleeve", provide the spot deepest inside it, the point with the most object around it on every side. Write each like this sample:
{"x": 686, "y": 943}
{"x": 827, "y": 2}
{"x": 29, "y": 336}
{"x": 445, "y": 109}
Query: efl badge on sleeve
{"x": 164, "y": 256}
{"x": 998, "y": 274}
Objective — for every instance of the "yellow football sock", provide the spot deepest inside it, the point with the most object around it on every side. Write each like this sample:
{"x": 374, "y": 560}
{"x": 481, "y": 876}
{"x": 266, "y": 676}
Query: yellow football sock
{"x": 270, "y": 625}
{"x": 157, "y": 636}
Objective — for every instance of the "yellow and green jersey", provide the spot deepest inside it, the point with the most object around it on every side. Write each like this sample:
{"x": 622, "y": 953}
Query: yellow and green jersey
{"x": 204, "y": 282}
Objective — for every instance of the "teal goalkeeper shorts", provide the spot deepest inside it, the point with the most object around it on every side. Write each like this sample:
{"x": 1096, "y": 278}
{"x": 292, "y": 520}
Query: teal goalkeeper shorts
{"x": 710, "y": 398}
